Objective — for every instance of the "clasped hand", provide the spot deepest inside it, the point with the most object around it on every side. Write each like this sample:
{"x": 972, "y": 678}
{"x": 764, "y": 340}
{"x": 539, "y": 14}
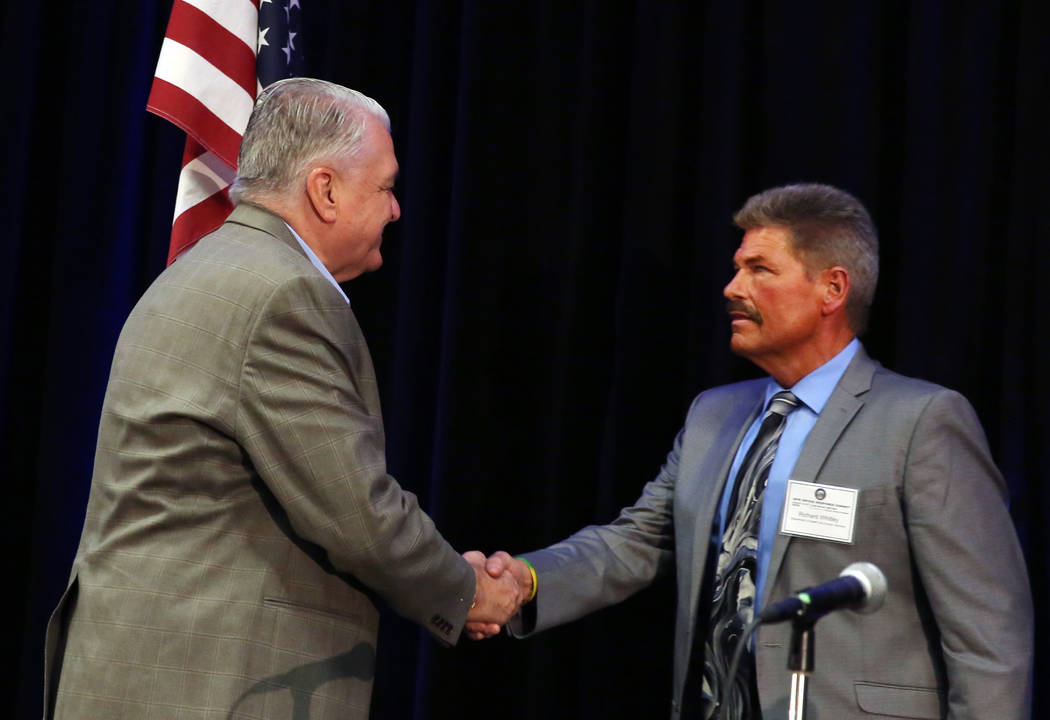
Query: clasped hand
{"x": 503, "y": 584}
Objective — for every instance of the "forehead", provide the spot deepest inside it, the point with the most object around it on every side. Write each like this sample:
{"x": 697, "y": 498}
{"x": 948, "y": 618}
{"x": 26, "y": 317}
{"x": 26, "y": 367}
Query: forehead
{"x": 377, "y": 155}
{"x": 770, "y": 243}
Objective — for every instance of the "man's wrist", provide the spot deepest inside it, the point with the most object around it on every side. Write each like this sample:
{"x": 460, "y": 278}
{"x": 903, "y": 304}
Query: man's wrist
{"x": 535, "y": 580}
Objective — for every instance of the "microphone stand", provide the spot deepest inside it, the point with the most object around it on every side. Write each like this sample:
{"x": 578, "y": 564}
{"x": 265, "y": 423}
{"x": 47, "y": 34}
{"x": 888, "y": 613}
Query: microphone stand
{"x": 865, "y": 593}
{"x": 800, "y": 663}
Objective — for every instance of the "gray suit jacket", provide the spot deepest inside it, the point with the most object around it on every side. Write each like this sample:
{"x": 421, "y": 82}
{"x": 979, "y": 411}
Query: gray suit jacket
{"x": 240, "y": 512}
{"x": 954, "y": 637}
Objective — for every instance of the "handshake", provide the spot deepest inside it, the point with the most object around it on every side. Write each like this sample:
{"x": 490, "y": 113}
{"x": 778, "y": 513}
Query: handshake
{"x": 504, "y": 584}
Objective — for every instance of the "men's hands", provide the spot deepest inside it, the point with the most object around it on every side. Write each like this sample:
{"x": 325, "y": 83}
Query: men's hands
{"x": 500, "y": 562}
{"x": 504, "y": 570}
{"x": 496, "y": 598}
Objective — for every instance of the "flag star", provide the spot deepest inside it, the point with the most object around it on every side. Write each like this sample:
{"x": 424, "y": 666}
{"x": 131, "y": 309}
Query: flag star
{"x": 287, "y": 13}
{"x": 288, "y": 54}
{"x": 291, "y": 39}
{"x": 262, "y": 38}
{"x": 294, "y": 4}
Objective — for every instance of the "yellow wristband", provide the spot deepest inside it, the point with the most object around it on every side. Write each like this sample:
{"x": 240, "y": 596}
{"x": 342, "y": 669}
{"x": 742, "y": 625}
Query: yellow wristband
{"x": 535, "y": 580}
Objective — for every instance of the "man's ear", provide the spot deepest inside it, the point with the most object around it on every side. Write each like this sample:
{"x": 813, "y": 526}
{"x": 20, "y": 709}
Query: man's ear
{"x": 835, "y": 281}
{"x": 320, "y": 189}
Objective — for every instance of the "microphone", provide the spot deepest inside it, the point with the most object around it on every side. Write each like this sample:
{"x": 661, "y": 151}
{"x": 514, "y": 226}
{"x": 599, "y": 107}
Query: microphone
{"x": 861, "y": 587}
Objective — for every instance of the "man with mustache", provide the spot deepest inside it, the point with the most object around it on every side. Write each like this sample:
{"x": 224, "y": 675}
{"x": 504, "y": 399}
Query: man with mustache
{"x": 779, "y": 483}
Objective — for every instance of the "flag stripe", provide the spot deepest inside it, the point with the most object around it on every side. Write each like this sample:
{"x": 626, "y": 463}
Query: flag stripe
{"x": 240, "y": 17}
{"x": 195, "y": 119}
{"x": 182, "y": 67}
{"x": 198, "y": 221}
{"x": 201, "y": 178}
{"x": 202, "y": 34}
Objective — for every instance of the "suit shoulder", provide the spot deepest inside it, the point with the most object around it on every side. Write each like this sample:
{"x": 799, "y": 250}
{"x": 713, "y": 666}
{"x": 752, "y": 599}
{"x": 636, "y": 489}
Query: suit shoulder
{"x": 727, "y": 396}
{"x": 236, "y": 249}
{"x": 887, "y": 384}
{"x": 247, "y": 267}
{"x": 911, "y": 402}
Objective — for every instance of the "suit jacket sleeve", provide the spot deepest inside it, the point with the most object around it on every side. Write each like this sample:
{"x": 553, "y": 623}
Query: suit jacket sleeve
{"x": 309, "y": 419}
{"x": 970, "y": 563}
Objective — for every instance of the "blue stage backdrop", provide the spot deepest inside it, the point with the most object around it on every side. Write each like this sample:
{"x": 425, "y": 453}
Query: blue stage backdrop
{"x": 551, "y": 299}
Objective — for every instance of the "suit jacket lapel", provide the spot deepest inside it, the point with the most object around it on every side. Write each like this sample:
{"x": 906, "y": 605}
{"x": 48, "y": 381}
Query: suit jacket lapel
{"x": 846, "y": 399}
{"x": 709, "y": 483}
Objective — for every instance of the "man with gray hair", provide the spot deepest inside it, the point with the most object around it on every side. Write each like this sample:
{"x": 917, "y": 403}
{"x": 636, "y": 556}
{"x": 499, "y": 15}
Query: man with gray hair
{"x": 778, "y": 484}
{"x": 241, "y": 517}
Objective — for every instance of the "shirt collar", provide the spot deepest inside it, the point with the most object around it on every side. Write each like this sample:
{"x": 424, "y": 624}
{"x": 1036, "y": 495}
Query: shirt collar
{"x": 316, "y": 261}
{"x": 815, "y": 389}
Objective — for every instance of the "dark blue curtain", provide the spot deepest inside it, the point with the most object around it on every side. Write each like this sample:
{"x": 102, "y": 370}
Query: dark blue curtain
{"x": 550, "y": 301}
{"x": 87, "y": 200}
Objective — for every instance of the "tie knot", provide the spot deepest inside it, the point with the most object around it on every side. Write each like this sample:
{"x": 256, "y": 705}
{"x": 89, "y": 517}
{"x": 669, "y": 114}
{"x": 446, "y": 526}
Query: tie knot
{"x": 783, "y": 403}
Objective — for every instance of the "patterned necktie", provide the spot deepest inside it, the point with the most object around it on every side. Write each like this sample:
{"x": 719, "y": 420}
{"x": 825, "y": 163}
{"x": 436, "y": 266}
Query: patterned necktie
{"x": 733, "y": 604}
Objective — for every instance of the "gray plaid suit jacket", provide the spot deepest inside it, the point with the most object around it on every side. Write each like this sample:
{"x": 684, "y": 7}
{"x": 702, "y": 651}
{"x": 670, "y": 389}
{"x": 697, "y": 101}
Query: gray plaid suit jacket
{"x": 240, "y": 512}
{"x": 954, "y": 636}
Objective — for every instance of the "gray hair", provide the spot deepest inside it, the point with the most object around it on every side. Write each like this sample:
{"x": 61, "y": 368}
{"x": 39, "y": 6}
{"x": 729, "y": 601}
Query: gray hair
{"x": 828, "y": 227}
{"x": 295, "y": 123}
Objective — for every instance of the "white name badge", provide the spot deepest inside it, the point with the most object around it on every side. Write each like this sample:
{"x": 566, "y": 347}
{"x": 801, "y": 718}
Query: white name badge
{"x": 823, "y": 512}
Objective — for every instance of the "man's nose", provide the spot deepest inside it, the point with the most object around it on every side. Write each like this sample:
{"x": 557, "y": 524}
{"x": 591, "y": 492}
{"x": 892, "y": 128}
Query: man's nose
{"x": 732, "y": 288}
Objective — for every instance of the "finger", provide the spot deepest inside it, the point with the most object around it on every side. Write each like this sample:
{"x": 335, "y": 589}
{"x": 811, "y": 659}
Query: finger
{"x": 474, "y": 557}
{"x": 484, "y": 629}
{"x": 480, "y": 630}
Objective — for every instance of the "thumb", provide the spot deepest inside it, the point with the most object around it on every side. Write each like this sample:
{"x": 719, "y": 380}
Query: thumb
{"x": 497, "y": 563}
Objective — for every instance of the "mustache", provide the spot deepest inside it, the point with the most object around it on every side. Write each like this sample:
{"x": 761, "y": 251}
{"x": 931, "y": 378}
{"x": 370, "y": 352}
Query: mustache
{"x": 752, "y": 313}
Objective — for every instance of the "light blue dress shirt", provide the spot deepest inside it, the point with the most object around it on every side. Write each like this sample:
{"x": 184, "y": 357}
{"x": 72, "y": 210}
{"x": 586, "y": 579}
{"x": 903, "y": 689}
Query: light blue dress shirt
{"x": 813, "y": 391}
{"x": 317, "y": 263}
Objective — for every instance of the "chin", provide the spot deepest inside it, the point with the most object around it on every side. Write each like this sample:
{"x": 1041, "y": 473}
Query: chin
{"x": 740, "y": 346}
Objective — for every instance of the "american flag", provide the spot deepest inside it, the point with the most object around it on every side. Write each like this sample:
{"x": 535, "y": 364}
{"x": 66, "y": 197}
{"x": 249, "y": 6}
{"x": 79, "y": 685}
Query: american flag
{"x": 216, "y": 56}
